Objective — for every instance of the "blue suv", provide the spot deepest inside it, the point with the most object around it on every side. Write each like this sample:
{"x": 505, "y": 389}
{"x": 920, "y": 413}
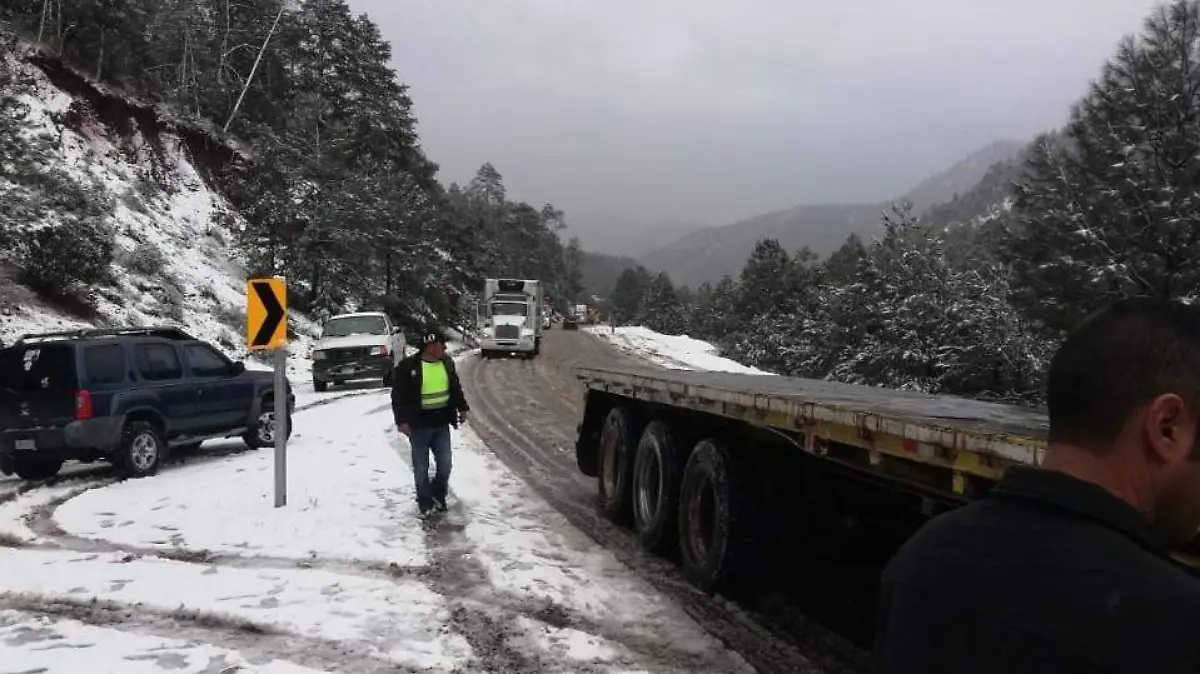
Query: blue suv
{"x": 125, "y": 395}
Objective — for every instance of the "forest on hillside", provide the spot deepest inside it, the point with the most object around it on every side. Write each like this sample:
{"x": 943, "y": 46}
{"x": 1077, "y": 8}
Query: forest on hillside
{"x": 972, "y": 298}
{"x": 328, "y": 181}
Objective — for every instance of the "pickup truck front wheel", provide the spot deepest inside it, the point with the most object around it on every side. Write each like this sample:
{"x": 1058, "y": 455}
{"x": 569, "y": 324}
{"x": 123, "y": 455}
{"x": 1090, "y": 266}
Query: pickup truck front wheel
{"x": 262, "y": 433}
{"x": 142, "y": 449}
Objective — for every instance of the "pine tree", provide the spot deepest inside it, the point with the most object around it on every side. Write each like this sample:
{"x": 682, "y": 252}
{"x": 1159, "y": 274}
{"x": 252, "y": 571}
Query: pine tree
{"x": 659, "y": 308}
{"x": 627, "y": 294}
{"x": 1109, "y": 208}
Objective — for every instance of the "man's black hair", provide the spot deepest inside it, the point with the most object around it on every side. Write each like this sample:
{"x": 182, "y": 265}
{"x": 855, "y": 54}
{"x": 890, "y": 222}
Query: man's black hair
{"x": 1120, "y": 359}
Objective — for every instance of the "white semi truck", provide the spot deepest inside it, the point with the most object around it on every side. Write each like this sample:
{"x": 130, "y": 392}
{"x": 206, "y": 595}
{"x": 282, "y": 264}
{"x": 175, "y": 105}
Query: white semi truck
{"x": 511, "y": 318}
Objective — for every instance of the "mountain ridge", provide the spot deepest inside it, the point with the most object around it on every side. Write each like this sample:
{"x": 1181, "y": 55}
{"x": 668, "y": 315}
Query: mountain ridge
{"x": 708, "y": 254}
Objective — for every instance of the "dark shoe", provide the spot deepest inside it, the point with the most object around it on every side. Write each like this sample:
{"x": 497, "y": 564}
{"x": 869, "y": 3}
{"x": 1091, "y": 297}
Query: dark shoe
{"x": 423, "y": 512}
{"x": 439, "y": 505}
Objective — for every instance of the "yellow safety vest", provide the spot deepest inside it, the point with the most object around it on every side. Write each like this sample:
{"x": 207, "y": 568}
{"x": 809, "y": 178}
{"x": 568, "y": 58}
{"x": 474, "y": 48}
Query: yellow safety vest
{"x": 435, "y": 385}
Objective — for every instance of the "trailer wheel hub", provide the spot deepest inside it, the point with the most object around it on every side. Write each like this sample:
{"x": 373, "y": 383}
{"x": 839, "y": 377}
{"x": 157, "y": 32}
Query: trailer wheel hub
{"x": 649, "y": 486}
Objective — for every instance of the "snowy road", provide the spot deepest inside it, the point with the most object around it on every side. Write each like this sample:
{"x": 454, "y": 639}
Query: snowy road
{"x": 194, "y": 571}
{"x": 527, "y": 411}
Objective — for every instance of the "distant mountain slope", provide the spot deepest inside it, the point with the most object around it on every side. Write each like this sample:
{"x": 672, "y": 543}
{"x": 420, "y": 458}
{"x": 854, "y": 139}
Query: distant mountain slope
{"x": 711, "y": 253}
{"x": 708, "y": 254}
{"x": 961, "y": 177}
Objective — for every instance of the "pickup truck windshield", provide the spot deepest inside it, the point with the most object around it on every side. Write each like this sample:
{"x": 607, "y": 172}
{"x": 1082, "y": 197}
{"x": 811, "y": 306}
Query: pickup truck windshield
{"x": 34, "y": 368}
{"x": 354, "y": 325}
{"x": 510, "y": 309}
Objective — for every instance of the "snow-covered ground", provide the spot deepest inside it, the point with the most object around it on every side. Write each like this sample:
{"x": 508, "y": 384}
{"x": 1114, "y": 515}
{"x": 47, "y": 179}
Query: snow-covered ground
{"x": 678, "y": 352}
{"x": 43, "y": 644}
{"x": 344, "y": 567}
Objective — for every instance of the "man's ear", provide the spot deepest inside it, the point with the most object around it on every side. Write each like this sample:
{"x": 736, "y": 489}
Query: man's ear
{"x": 1169, "y": 427}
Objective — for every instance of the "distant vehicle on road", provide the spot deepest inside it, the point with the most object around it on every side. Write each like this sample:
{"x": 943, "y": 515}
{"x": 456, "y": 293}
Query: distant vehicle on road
{"x": 124, "y": 395}
{"x": 511, "y": 317}
{"x": 356, "y": 346}
{"x": 570, "y": 321}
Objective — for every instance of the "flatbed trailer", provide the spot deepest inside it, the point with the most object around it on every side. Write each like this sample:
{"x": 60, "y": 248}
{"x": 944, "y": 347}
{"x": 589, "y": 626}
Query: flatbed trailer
{"x": 731, "y": 469}
{"x": 723, "y": 466}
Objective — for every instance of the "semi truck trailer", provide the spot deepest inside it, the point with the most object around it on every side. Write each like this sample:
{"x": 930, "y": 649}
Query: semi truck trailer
{"x": 735, "y": 472}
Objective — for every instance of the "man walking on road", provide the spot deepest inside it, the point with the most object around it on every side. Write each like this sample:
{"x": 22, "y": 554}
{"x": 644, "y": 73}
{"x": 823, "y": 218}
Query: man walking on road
{"x": 427, "y": 399}
{"x": 1065, "y": 568}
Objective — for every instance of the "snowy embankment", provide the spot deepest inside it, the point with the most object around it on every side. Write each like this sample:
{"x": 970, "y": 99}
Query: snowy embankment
{"x": 173, "y": 263}
{"x": 346, "y": 562}
{"x": 677, "y": 352}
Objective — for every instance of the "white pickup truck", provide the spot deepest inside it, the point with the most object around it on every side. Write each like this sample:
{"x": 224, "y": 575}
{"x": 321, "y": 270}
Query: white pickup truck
{"x": 356, "y": 346}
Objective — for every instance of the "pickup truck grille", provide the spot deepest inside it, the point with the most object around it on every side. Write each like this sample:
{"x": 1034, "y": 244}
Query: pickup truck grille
{"x": 508, "y": 331}
{"x": 347, "y": 354}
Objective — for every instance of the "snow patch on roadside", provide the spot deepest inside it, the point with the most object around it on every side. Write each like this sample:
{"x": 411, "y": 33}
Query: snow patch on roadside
{"x": 400, "y": 620}
{"x": 41, "y": 644}
{"x": 676, "y": 352}
{"x": 349, "y": 497}
{"x": 13, "y": 513}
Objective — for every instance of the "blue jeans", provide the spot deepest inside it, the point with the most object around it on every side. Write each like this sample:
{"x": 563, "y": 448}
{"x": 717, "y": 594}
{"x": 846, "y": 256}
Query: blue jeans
{"x": 435, "y": 440}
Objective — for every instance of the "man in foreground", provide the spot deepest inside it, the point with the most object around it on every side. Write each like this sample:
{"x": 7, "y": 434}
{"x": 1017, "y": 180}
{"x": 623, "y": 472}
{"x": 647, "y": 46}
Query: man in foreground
{"x": 427, "y": 399}
{"x": 1065, "y": 568}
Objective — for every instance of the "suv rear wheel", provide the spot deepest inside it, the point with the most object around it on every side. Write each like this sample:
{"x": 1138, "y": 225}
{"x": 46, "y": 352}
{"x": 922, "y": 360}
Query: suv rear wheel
{"x": 36, "y": 467}
{"x": 142, "y": 449}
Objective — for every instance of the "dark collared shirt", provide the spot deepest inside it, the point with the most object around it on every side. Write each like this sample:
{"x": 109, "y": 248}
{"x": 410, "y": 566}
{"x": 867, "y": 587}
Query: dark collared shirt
{"x": 1047, "y": 574}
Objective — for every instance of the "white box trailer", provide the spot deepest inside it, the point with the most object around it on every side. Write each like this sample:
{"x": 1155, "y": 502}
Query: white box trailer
{"x": 511, "y": 318}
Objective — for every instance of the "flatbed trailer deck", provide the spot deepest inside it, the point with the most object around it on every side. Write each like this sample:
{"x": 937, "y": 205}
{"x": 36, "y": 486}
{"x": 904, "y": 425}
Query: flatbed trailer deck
{"x": 954, "y": 445}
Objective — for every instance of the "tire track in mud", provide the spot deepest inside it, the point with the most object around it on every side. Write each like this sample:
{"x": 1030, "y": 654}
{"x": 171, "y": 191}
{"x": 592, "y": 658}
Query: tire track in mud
{"x": 526, "y": 412}
{"x": 254, "y": 642}
{"x": 484, "y": 614}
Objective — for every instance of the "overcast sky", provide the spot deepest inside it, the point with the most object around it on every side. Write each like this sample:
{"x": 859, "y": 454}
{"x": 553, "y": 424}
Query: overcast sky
{"x": 629, "y": 112}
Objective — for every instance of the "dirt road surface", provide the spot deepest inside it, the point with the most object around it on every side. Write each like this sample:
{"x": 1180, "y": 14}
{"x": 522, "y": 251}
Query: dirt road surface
{"x": 527, "y": 412}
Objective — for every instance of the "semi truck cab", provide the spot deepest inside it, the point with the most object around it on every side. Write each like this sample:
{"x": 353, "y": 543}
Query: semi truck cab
{"x": 511, "y": 318}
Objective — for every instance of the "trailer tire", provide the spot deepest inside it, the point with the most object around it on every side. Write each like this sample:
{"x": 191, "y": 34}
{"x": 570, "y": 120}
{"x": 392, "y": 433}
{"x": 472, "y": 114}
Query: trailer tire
{"x": 616, "y": 467}
{"x": 716, "y": 516}
{"x": 657, "y": 471}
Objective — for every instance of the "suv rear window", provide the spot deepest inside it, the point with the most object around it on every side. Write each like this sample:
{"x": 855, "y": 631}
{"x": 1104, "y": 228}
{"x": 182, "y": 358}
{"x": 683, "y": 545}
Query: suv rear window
{"x": 38, "y": 367}
{"x": 104, "y": 364}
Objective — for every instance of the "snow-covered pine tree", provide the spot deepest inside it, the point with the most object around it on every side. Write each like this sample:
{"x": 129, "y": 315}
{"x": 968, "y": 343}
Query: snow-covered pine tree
{"x": 1109, "y": 207}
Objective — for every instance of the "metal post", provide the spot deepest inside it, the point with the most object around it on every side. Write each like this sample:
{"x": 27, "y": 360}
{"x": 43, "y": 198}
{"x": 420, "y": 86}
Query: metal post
{"x": 281, "y": 421}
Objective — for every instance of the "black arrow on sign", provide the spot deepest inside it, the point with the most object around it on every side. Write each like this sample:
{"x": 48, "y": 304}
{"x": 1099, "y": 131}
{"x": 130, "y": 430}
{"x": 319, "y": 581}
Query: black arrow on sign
{"x": 275, "y": 313}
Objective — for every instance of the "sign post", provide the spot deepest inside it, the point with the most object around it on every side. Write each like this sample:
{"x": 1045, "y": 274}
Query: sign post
{"x": 266, "y": 330}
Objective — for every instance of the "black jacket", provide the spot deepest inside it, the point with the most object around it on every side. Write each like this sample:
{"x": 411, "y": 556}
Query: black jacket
{"x": 1047, "y": 574}
{"x": 406, "y": 396}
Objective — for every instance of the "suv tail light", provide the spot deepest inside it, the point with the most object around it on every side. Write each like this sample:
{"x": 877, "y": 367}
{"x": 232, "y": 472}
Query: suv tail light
{"x": 83, "y": 404}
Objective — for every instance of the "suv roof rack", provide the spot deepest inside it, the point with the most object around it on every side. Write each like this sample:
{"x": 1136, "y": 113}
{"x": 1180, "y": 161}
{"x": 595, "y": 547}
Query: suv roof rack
{"x": 161, "y": 331}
